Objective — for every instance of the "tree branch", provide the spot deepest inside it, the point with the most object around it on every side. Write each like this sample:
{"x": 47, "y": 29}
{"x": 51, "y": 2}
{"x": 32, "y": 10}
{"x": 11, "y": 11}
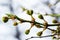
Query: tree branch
{"x": 41, "y": 36}
{"x": 56, "y": 24}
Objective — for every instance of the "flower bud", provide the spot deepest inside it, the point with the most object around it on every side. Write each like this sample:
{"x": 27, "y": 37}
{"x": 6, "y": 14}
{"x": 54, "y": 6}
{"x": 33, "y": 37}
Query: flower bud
{"x": 40, "y": 16}
{"x": 37, "y": 25}
{"x": 23, "y": 8}
{"x": 53, "y": 37}
{"x": 29, "y": 12}
{"x": 15, "y": 24}
{"x": 39, "y": 33}
{"x": 27, "y": 32}
{"x": 5, "y": 19}
{"x": 54, "y": 21}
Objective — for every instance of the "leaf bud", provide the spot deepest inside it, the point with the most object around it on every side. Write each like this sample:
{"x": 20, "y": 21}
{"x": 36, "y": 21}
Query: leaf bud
{"x": 5, "y": 19}
{"x": 29, "y": 12}
{"x": 54, "y": 21}
{"x": 40, "y": 16}
{"x": 39, "y": 33}
{"x": 27, "y": 32}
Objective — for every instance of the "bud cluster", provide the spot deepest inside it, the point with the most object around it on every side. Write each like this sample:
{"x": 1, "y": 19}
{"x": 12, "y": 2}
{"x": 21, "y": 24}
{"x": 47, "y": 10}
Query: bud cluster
{"x": 33, "y": 23}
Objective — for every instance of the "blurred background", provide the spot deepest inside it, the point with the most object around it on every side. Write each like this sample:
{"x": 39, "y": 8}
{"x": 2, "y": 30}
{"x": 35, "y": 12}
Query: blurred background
{"x": 9, "y": 32}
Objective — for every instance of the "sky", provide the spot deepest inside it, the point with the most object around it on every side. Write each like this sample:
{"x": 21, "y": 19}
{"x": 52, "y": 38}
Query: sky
{"x": 8, "y": 31}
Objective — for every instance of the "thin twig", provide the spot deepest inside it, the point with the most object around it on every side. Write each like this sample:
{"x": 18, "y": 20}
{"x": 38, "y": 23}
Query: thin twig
{"x": 41, "y": 36}
{"x": 56, "y": 24}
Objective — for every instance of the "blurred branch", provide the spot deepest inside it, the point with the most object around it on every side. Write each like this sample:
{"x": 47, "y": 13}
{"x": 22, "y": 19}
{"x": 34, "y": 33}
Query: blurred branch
{"x": 11, "y": 6}
{"x": 22, "y": 20}
{"x": 53, "y": 15}
{"x": 41, "y": 36}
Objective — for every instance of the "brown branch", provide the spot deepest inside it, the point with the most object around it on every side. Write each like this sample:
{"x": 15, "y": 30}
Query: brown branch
{"x": 42, "y": 24}
{"x": 48, "y": 28}
{"x": 22, "y": 20}
{"x": 41, "y": 36}
{"x": 56, "y": 24}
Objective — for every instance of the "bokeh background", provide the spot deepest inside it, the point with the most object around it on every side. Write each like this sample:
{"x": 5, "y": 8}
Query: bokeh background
{"x": 9, "y": 32}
